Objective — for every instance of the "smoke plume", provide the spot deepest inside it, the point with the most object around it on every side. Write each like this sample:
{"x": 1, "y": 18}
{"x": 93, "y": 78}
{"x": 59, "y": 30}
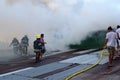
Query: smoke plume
{"x": 63, "y": 22}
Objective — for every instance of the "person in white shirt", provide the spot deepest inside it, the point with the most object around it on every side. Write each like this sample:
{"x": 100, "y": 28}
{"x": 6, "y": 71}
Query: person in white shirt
{"x": 111, "y": 42}
{"x": 118, "y": 31}
{"x": 118, "y": 37}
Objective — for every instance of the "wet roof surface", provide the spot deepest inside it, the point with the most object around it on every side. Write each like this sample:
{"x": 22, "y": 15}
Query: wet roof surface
{"x": 60, "y": 66}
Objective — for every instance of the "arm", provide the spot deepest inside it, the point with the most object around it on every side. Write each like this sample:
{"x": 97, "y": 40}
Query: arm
{"x": 11, "y": 43}
{"x": 117, "y": 43}
{"x": 106, "y": 40}
{"x": 118, "y": 36}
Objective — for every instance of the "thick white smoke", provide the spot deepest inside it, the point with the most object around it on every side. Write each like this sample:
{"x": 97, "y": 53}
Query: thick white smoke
{"x": 62, "y": 21}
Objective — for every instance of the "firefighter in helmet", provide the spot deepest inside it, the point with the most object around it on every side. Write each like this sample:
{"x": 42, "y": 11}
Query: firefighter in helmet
{"x": 37, "y": 48}
{"x": 15, "y": 44}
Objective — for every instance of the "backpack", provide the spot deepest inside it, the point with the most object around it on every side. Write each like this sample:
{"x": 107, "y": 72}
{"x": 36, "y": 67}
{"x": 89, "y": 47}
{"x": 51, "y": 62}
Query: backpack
{"x": 37, "y": 44}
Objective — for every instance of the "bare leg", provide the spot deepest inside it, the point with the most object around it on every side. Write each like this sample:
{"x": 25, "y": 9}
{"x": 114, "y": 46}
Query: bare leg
{"x": 37, "y": 56}
{"x": 110, "y": 60}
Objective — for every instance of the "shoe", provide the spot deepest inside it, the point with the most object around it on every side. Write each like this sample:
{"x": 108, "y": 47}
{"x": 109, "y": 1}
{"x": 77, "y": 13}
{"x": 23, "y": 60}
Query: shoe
{"x": 110, "y": 65}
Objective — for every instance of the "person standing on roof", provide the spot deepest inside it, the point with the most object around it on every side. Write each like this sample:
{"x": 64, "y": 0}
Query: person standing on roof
{"x": 110, "y": 42}
{"x": 25, "y": 44}
{"x": 15, "y": 44}
{"x": 43, "y": 50}
{"x": 118, "y": 31}
{"x": 37, "y": 48}
{"x": 118, "y": 36}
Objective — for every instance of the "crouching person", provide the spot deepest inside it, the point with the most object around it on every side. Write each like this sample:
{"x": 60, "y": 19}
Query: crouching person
{"x": 37, "y": 48}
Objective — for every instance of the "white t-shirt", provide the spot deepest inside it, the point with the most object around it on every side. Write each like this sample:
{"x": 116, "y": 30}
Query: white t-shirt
{"x": 118, "y": 31}
{"x": 111, "y": 36}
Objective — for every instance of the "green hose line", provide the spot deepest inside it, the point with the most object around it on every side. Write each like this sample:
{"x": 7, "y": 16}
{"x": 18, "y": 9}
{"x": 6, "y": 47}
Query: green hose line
{"x": 86, "y": 69}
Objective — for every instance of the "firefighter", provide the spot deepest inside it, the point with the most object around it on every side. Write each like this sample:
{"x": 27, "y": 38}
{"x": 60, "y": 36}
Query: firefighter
{"x": 24, "y": 44}
{"x": 37, "y": 48}
{"x": 15, "y": 44}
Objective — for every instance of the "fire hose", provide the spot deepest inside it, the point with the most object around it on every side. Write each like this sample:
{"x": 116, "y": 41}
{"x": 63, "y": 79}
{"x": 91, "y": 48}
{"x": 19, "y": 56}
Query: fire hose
{"x": 103, "y": 53}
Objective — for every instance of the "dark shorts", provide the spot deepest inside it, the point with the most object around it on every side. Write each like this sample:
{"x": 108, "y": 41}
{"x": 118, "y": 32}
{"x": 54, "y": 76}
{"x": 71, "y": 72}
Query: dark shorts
{"x": 111, "y": 50}
{"x": 43, "y": 50}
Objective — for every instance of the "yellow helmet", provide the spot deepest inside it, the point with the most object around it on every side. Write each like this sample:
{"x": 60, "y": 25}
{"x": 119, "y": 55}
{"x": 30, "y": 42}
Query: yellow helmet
{"x": 38, "y": 36}
{"x": 14, "y": 37}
